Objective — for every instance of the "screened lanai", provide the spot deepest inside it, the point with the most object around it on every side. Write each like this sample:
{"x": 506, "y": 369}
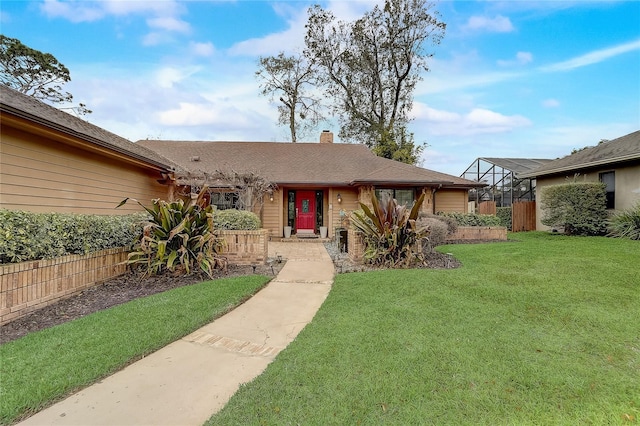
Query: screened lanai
{"x": 501, "y": 176}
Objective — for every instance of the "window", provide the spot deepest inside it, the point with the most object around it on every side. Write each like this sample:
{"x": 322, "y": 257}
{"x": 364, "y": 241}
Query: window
{"x": 402, "y": 196}
{"x": 609, "y": 179}
{"x": 224, "y": 200}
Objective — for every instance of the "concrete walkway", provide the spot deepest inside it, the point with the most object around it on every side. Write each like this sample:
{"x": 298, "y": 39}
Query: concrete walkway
{"x": 187, "y": 381}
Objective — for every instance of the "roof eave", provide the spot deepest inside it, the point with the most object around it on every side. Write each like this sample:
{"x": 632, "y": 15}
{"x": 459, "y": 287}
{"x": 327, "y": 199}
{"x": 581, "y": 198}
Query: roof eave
{"x": 6, "y": 109}
{"x": 589, "y": 165}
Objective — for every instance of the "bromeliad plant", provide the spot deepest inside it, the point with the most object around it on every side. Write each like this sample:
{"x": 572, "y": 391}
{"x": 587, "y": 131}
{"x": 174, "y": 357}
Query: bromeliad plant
{"x": 390, "y": 232}
{"x": 178, "y": 237}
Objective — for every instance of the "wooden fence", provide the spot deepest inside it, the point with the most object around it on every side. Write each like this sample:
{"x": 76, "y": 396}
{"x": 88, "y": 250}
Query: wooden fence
{"x": 523, "y": 216}
{"x": 487, "y": 207}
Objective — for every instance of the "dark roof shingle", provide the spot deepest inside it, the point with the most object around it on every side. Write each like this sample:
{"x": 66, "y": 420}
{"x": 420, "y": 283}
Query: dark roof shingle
{"x": 620, "y": 150}
{"x": 300, "y": 163}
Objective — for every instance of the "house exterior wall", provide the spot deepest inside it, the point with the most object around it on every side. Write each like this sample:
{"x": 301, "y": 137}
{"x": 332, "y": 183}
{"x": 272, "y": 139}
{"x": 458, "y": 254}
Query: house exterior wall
{"x": 273, "y": 214}
{"x": 43, "y": 175}
{"x": 627, "y": 189}
{"x": 450, "y": 200}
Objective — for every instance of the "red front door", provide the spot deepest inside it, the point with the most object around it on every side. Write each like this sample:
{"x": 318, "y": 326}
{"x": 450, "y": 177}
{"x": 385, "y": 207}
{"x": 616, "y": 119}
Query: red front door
{"x": 306, "y": 210}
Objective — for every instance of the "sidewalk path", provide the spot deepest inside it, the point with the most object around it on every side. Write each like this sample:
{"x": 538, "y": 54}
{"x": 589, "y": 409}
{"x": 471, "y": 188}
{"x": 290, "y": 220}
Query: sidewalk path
{"x": 187, "y": 381}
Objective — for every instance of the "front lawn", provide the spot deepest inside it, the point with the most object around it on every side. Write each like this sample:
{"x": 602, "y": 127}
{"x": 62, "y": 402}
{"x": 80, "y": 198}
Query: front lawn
{"x": 544, "y": 329}
{"x": 45, "y": 366}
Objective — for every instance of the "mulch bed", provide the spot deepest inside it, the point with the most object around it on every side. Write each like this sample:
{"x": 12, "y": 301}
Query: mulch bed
{"x": 111, "y": 293}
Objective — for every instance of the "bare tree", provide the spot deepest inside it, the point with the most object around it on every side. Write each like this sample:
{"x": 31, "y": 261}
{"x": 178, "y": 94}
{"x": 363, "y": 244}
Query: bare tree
{"x": 249, "y": 187}
{"x": 293, "y": 80}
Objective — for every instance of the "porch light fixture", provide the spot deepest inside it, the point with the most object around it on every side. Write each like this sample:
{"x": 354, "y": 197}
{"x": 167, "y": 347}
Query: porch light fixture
{"x": 271, "y": 197}
{"x": 339, "y": 198}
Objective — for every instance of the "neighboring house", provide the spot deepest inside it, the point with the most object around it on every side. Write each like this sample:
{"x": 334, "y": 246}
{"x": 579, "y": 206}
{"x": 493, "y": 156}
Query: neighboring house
{"x": 616, "y": 163}
{"x": 317, "y": 183}
{"x": 51, "y": 161}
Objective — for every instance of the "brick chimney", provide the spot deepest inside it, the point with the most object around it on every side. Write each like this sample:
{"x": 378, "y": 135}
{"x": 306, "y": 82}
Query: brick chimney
{"x": 326, "y": 137}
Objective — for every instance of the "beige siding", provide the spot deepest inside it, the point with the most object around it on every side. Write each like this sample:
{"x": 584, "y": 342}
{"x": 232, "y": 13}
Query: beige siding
{"x": 451, "y": 200}
{"x": 349, "y": 203}
{"x": 43, "y": 175}
{"x": 627, "y": 187}
{"x": 272, "y": 214}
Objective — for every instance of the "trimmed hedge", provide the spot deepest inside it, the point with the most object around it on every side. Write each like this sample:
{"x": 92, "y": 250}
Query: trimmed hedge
{"x": 236, "y": 220}
{"x": 28, "y": 236}
{"x": 473, "y": 219}
{"x": 577, "y": 207}
{"x": 504, "y": 213}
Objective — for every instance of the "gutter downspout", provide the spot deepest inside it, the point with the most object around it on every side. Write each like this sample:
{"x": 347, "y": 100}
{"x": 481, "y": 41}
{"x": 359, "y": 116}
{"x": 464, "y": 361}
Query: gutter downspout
{"x": 433, "y": 198}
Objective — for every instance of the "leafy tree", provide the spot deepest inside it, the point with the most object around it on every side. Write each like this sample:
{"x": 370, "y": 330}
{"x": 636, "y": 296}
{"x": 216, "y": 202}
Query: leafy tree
{"x": 35, "y": 73}
{"x": 292, "y": 79}
{"x": 371, "y": 67}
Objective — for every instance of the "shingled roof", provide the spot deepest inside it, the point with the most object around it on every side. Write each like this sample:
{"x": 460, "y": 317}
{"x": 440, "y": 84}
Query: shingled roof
{"x": 617, "y": 151}
{"x": 26, "y": 107}
{"x": 308, "y": 164}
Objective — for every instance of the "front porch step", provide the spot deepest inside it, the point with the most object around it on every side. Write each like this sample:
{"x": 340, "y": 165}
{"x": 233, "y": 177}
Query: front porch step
{"x": 314, "y": 239}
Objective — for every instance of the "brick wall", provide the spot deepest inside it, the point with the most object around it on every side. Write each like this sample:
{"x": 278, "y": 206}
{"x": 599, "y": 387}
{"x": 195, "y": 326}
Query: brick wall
{"x": 27, "y": 286}
{"x": 486, "y": 233}
{"x": 245, "y": 247}
{"x": 355, "y": 245}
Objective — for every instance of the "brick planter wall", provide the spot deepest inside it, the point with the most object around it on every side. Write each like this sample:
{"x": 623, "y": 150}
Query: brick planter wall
{"x": 484, "y": 233}
{"x": 355, "y": 245}
{"x": 27, "y": 286}
{"x": 245, "y": 247}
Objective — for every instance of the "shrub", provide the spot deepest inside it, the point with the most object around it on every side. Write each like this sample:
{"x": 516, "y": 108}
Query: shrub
{"x": 390, "y": 232}
{"x": 26, "y": 236}
{"x": 452, "y": 223}
{"x": 626, "y": 224}
{"x": 177, "y": 237}
{"x": 578, "y": 207}
{"x": 438, "y": 231}
{"x": 473, "y": 219}
{"x": 504, "y": 214}
{"x": 236, "y": 220}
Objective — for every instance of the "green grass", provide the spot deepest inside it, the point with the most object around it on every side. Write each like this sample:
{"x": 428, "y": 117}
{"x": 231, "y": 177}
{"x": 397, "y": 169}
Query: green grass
{"x": 541, "y": 330}
{"x": 45, "y": 366}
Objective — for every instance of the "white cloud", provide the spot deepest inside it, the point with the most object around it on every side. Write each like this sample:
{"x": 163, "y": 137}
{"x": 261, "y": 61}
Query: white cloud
{"x": 499, "y": 24}
{"x": 592, "y": 57}
{"x": 202, "y": 49}
{"x": 169, "y": 24}
{"x": 551, "y": 103}
{"x": 160, "y": 15}
{"x": 522, "y": 58}
{"x": 475, "y": 122}
{"x": 168, "y": 76}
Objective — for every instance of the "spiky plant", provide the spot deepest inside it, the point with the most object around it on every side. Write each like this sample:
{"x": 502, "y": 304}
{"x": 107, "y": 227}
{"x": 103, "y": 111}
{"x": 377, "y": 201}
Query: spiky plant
{"x": 390, "y": 232}
{"x": 626, "y": 224}
{"x": 177, "y": 237}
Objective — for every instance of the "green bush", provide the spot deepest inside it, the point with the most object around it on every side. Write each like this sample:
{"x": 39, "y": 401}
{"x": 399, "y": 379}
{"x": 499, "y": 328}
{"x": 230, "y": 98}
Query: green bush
{"x": 390, "y": 232}
{"x": 626, "y": 224}
{"x": 577, "y": 207}
{"x": 236, "y": 220}
{"x": 472, "y": 219}
{"x": 504, "y": 214}
{"x": 26, "y": 236}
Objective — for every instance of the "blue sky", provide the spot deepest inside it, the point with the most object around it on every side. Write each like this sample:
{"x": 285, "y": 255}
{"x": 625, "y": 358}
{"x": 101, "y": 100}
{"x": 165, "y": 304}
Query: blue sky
{"x": 510, "y": 78}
